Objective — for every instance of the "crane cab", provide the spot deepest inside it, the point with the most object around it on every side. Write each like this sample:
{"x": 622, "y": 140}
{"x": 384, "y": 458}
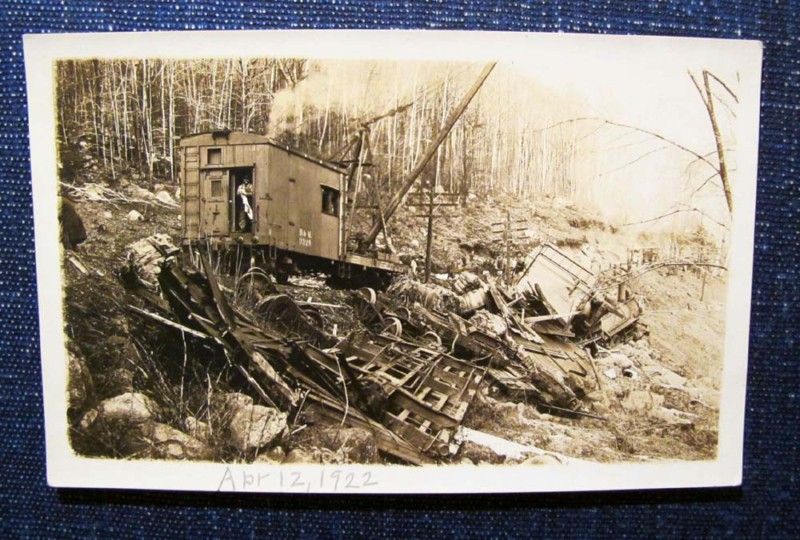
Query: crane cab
{"x": 245, "y": 189}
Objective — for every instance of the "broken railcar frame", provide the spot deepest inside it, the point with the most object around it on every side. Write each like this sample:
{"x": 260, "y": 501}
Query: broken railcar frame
{"x": 411, "y": 398}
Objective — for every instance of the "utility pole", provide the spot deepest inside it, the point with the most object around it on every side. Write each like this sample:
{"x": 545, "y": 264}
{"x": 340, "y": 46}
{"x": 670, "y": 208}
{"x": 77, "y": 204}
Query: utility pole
{"x": 509, "y": 230}
{"x": 431, "y": 204}
{"x": 507, "y": 242}
{"x": 703, "y": 286}
{"x": 429, "y": 239}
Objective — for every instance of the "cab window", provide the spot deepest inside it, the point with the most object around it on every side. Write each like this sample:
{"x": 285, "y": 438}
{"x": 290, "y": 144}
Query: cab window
{"x": 214, "y": 156}
{"x": 330, "y": 201}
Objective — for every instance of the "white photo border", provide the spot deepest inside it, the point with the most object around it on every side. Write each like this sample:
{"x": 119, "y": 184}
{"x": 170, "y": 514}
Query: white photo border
{"x": 66, "y": 469}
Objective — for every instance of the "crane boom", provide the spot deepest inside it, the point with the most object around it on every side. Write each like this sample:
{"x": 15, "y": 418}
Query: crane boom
{"x": 394, "y": 202}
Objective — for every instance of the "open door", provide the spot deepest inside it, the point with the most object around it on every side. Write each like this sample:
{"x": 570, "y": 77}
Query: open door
{"x": 217, "y": 199}
{"x": 243, "y": 205}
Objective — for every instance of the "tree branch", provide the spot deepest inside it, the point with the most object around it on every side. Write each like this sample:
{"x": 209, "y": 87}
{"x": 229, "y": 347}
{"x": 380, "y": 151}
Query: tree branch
{"x": 725, "y": 86}
{"x": 706, "y": 181}
{"x": 677, "y": 211}
{"x": 708, "y": 100}
{"x": 635, "y": 128}
{"x": 634, "y": 160}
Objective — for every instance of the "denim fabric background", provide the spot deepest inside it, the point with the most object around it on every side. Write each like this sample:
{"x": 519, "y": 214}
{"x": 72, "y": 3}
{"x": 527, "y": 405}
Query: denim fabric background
{"x": 765, "y": 505}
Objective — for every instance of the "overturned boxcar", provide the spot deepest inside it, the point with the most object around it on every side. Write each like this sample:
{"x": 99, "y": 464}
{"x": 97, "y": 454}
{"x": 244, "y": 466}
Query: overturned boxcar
{"x": 286, "y": 208}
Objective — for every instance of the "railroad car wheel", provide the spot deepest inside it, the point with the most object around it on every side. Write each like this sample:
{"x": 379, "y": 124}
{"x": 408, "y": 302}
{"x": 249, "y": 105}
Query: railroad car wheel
{"x": 364, "y": 307}
{"x": 255, "y": 283}
{"x": 314, "y": 314}
{"x": 392, "y": 326}
{"x": 433, "y": 339}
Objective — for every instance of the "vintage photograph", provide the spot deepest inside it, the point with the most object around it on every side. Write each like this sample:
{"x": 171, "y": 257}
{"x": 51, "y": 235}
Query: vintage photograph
{"x": 273, "y": 259}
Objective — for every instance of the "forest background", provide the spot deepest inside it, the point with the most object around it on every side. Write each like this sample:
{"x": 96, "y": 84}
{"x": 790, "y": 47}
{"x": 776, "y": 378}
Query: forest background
{"x": 650, "y": 162}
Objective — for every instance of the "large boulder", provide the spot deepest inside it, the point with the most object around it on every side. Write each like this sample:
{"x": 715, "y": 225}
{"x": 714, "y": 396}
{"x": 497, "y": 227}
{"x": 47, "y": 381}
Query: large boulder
{"x": 255, "y": 426}
{"x": 164, "y": 197}
{"x": 227, "y": 403}
{"x": 245, "y": 425}
{"x": 131, "y": 407}
{"x": 145, "y": 256}
{"x": 197, "y": 428}
{"x": 170, "y": 443}
{"x": 119, "y": 425}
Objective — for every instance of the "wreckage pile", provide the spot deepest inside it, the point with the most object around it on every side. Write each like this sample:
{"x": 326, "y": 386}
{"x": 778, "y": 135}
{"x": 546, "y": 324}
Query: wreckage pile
{"x": 553, "y": 358}
{"x": 411, "y": 398}
{"x": 409, "y": 369}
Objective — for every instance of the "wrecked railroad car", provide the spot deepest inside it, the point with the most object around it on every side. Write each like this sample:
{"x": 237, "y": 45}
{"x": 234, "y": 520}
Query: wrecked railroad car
{"x": 286, "y": 207}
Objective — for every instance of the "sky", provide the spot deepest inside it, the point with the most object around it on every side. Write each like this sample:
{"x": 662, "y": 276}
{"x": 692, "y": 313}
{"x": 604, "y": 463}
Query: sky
{"x": 643, "y": 83}
{"x": 648, "y": 87}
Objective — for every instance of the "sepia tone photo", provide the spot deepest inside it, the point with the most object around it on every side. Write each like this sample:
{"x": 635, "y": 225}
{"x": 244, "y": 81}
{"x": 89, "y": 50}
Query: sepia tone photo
{"x": 288, "y": 260}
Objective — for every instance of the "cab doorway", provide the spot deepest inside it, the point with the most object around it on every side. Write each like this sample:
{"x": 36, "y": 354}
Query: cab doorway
{"x": 243, "y": 209}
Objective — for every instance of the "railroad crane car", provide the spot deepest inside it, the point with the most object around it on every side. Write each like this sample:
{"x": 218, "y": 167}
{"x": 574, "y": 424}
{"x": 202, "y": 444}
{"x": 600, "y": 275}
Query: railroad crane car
{"x": 291, "y": 211}
{"x": 296, "y": 202}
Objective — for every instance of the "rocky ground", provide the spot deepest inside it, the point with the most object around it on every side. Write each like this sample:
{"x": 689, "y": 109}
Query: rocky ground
{"x": 133, "y": 393}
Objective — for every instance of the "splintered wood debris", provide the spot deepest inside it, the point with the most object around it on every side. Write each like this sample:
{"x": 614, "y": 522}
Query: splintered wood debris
{"x": 417, "y": 355}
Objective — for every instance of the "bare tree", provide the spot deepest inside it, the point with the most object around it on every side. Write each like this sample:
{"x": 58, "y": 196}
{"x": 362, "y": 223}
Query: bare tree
{"x": 708, "y": 101}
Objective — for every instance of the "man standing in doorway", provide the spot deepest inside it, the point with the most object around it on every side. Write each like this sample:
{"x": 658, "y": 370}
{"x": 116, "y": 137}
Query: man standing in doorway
{"x": 245, "y": 194}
